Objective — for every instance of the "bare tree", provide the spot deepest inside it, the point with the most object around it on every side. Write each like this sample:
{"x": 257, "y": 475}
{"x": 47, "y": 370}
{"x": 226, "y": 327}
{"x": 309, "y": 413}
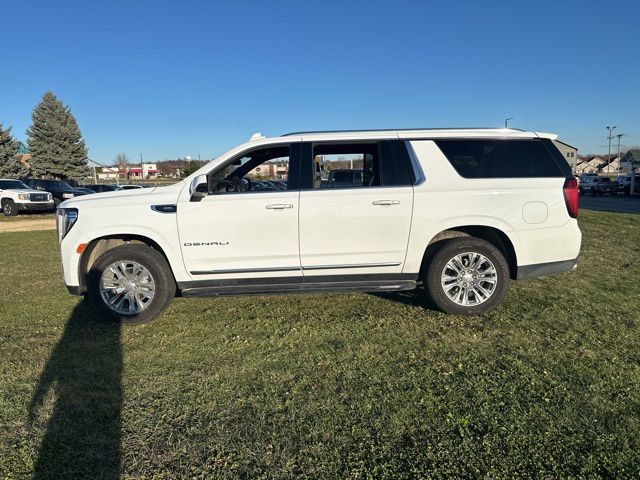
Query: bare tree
{"x": 122, "y": 162}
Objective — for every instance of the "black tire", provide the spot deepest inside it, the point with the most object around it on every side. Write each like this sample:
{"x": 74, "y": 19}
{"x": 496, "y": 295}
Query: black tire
{"x": 9, "y": 208}
{"x": 154, "y": 262}
{"x": 459, "y": 246}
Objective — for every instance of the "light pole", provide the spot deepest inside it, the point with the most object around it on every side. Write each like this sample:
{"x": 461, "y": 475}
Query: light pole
{"x": 506, "y": 122}
{"x": 620, "y": 135}
{"x": 610, "y": 129}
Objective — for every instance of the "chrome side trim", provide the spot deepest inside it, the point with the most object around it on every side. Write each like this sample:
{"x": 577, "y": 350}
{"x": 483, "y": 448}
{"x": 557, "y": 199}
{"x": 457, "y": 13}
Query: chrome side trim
{"x": 246, "y": 270}
{"x": 359, "y": 265}
{"x": 294, "y": 269}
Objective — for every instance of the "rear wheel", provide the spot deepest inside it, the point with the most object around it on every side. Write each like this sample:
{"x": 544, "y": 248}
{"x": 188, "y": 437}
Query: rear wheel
{"x": 9, "y": 208}
{"x": 131, "y": 283}
{"x": 468, "y": 276}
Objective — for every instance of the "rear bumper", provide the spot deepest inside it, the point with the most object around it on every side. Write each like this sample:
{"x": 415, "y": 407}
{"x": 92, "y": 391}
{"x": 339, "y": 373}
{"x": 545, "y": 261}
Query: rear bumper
{"x": 36, "y": 207}
{"x": 542, "y": 269}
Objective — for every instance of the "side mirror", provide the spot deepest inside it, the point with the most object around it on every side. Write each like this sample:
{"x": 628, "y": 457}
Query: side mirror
{"x": 199, "y": 188}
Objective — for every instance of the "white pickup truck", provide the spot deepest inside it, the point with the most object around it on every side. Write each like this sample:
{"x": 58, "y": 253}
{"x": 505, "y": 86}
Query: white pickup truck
{"x": 458, "y": 211}
{"x": 16, "y": 197}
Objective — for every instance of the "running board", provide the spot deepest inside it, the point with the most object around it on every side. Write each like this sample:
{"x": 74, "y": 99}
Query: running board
{"x": 328, "y": 287}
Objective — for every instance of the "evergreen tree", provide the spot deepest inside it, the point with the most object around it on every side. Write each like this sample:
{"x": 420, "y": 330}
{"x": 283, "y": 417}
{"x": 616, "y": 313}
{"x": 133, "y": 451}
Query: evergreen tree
{"x": 55, "y": 141}
{"x": 10, "y": 164}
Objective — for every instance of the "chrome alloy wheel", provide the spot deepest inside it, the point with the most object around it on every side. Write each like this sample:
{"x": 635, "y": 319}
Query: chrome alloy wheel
{"x": 469, "y": 279}
{"x": 127, "y": 287}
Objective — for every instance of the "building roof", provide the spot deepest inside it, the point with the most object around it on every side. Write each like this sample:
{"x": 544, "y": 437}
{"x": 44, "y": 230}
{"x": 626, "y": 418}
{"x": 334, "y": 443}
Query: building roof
{"x": 566, "y": 144}
{"x": 634, "y": 154}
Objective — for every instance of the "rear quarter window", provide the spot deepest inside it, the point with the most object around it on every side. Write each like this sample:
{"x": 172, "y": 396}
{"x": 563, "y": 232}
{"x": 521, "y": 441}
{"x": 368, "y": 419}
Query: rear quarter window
{"x": 476, "y": 158}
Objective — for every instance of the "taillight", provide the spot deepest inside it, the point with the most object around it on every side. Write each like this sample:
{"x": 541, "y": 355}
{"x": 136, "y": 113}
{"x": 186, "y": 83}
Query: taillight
{"x": 570, "y": 191}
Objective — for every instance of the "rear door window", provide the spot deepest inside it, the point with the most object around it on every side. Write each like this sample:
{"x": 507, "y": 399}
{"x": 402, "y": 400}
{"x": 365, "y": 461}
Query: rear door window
{"x": 488, "y": 158}
{"x": 355, "y": 164}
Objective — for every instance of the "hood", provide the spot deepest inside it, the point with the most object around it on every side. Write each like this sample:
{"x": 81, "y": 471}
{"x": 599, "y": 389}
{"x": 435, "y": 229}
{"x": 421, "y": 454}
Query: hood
{"x": 134, "y": 196}
{"x": 22, "y": 190}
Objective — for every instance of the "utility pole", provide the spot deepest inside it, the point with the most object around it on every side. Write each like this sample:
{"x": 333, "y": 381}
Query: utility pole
{"x": 610, "y": 129}
{"x": 620, "y": 135}
{"x": 506, "y": 122}
{"x": 141, "y": 168}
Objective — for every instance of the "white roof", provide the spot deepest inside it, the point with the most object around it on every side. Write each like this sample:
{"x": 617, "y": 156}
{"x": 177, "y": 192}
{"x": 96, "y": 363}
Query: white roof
{"x": 419, "y": 133}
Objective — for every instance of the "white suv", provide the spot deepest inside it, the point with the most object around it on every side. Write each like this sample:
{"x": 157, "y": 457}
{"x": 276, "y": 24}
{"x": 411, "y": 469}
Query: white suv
{"x": 460, "y": 211}
{"x": 16, "y": 197}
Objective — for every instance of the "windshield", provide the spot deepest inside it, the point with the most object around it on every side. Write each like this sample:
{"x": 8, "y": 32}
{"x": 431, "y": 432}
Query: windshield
{"x": 12, "y": 184}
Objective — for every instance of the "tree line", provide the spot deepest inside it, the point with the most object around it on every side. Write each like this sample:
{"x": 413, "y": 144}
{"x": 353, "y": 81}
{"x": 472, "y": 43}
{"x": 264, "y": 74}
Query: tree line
{"x": 54, "y": 141}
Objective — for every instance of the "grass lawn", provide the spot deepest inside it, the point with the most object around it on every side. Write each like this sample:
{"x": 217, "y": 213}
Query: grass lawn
{"x": 326, "y": 386}
{"x": 26, "y": 216}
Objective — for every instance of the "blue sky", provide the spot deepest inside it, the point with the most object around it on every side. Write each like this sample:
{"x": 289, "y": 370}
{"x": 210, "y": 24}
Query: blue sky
{"x": 170, "y": 79}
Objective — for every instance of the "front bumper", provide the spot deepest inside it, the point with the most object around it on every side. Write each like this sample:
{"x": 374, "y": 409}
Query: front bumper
{"x": 36, "y": 206}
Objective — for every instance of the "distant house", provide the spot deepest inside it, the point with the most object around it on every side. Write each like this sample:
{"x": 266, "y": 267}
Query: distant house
{"x": 107, "y": 173}
{"x": 590, "y": 165}
{"x": 147, "y": 170}
{"x": 271, "y": 169}
{"x": 616, "y": 166}
{"x": 569, "y": 152}
{"x": 632, "y": 159}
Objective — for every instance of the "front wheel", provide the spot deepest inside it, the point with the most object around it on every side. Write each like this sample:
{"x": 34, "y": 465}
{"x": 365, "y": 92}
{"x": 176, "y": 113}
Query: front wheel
{"x": 131, "y": 283}
{"x": 468, "y": 276}
{"x": 9, "y": 208}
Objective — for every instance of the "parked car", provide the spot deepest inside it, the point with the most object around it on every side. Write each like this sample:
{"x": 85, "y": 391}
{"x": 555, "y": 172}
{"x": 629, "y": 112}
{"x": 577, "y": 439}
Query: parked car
{"x": 598, "y": 186}
{"x": 59, "y": 189}
{"x": 101, "y": 187}
{"x": 585, "y": 176}
{"x": 624, "y": 184}
{"x": 86, "y": 190}
{"x": 16, "y": 197}
{"x": 460, "y": 212}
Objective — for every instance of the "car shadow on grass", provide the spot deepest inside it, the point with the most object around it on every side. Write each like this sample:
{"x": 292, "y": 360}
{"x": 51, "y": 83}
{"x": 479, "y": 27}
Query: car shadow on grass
{"x": 83, "y": 377}
{"x": 414, "y": 298}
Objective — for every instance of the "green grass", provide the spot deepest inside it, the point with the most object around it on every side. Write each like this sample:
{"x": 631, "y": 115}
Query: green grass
{"x": 326, "y": 386}
{"x": 27, "y": 216}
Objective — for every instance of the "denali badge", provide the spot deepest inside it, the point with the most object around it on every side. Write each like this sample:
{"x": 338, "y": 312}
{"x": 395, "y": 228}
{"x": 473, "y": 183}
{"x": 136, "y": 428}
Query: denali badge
{"x": 202, "y": 244}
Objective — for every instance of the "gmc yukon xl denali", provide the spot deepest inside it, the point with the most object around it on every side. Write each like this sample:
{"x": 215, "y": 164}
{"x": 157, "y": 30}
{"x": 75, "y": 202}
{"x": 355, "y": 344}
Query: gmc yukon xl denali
{"x": 461, "y": 212}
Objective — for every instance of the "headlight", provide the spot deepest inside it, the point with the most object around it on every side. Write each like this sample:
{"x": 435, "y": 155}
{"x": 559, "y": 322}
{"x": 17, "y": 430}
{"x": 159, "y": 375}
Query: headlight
{"x": 23, "y": 196}
{"x": 49, "y": 196}
{"x": 65, "y": 219}
{"x": 67, "y": 195}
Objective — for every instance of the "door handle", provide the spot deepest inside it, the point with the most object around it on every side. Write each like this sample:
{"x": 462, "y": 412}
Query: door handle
{"x": 386, "y": 202}
{"x": 279, "y": 206}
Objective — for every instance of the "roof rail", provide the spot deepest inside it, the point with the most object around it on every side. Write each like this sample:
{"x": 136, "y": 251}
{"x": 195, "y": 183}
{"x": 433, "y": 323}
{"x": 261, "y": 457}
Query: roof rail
{"x": 397, "y": 130}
